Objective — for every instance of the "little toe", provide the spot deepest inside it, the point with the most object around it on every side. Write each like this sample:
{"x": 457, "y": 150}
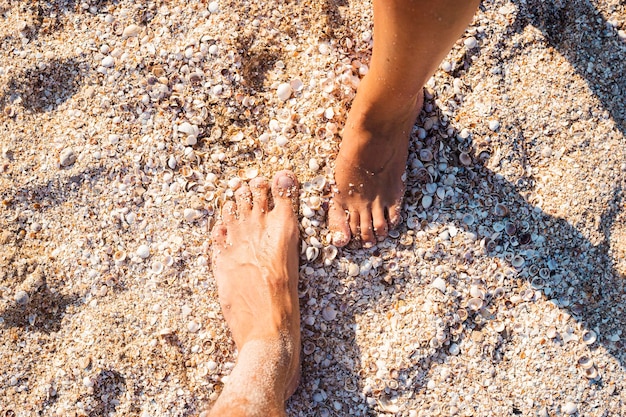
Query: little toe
{"x": 394, "y": 215}
{"x": 285, "y": 190}
{"x": 367, "y": 230}
{"x": 260, "y": 194}
{"x": 338, "y": 225}
{"x": 229, "y": 212}
{"x": 218, "y": 234}
{"x": 381, "y": 228}
{"x": 243, "y": 197}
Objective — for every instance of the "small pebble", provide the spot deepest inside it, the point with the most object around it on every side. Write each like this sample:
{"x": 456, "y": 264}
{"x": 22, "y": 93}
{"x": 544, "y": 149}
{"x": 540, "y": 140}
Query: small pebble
{"x": 67, "y": 157}
{"x": 143, "y": 251}
{"x": 214, "y": 7}
{"x": 446, "y": 66}
{"x": 130, "y": 31}
{"x": 192, "y": 214}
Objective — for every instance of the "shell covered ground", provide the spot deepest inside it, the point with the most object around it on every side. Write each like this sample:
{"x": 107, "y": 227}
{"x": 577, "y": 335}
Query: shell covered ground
{"x": 125, "y": 126}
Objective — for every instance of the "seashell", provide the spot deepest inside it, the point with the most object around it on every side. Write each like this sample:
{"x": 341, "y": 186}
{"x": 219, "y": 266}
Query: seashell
{"x": 465, "y": 159}
{"x": 469, "y": 219}
{"x": 500, "y": 210}
{"x": 422, "y": 176}
{"x": 329, "y": 253}
{"x": 157, "y": 267}
{"x": 283, "y": 91}
{"x": 528, "y": 295}
{"x": 477, "y": 291}
{"x": 308, "y": 347}
{"x": 21, "y": 297}
{"x": 193, "y": 326}
{"x": 474, "y": 304}
{"x": 498, "y": 326}
{"x": 440, "y": 284}
{"x": 462, "y": 313}
{"x": 131, "y": 31}
{"x": 189, "y": 129}
{"x": 329, "y": 313}
{"x": 537, "y": 283}
{"x": 498, "y": 226}
{"x": 327, "y": 85}
{"x": 315, "y": 202}
{"x": 585, "y": 362}
{"x": 312, "y": 253}
{"x": 454, "y": 349}
{"x": 191, "y": 215}
{"x": 392, "y": 384}
{"x": 426, "y": 155}
{"x": 67, "y": 157}
{"x": 533, "y": 270}
{"x": 208, "y": 347}
{"x": 551, "y": 333}
{"x": 427, "y": 201}
{"x": 349, "y": 385}
{"x": 589, "y": 337}
{"x": 143, "y": 251}
{"x": 518, "y": 261}
{"x": 394, "y": 234}
{"x": 544, "y": 273}
{"x": 307, "y": 211}
{"x": 591, "y": 373}
{"x": 510, "y": 228}
{"x": 498, "y": 293}
{"x": 119, "y": 256}
{"x": 318, "y": 183}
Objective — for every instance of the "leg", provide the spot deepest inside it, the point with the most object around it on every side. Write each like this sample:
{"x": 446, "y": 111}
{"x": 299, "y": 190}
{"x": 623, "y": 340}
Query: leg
{"x": 255, "y": 264}
{"x": 411, "y": 37}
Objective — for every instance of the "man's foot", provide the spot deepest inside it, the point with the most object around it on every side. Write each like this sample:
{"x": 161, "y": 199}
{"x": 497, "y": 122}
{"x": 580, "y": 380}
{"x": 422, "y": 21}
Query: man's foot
{"x": 255, "y": 263}
{"x": 369, "y": 168}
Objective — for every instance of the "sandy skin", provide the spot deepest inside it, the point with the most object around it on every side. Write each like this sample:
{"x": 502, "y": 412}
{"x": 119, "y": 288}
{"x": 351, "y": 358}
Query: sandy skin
{"x": 255, "y": 264}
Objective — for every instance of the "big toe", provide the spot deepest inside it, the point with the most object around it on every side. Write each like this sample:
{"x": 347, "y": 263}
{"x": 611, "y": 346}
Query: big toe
{"x": 338, "y": 225}
{"x": 285, "y": 190}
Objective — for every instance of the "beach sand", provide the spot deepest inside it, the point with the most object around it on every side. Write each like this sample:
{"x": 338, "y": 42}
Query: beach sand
{"x": 126, "y": 125}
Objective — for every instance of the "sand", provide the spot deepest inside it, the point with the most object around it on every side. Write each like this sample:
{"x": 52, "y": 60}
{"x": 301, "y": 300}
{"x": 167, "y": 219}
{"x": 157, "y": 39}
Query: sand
{"x": 125, "y": 126}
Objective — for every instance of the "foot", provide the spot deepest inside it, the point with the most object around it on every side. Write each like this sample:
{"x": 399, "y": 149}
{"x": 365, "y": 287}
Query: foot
{"x": 255, "y": 264}
{"x": 371, "y": 162}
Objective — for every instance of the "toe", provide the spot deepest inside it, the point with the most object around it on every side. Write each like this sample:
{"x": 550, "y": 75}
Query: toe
{"x": 229, "y": 212}
{"x": 338, "y": 225}
{"x": 243, "y": 197}
{"x": 260, "y": 193}
{"x": 285, "y": 190}
{"x": 394, "y": 215}
{"x": 218, "y": 234}
{"x": 367, "y": 230}
{"x": 354, "y": 220}
{"x": 379, "y": 221}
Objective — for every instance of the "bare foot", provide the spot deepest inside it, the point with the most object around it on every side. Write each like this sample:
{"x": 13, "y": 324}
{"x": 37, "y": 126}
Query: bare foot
{"x": 255, "y": 264}
{"x": 371, "y": 161}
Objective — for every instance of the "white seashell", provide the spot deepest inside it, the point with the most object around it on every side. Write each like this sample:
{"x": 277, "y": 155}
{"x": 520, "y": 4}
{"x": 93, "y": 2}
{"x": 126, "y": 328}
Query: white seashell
{"x": 469, "y": 219}
{"x": 474, "y": 304}
{"x": 426, "y": 155}
{"x": 193, "y": 326}
{"x": 192, "y": 214}
{"x": 214, "y": 7}
{"x": 440, "y": 284}
{"x": 330, "y": 253}
{"x": 314, "y": 165}
{"x": 251, "y": 173}
{"x": 329, "y": 113}
{"x": 296, "y": 85}
{"x": 353, "y": 270}
{"x": 307, "y": 211}
{"x": 470, "y": 43}
{"x": 283, "y": 91}
{"x": 108, "y": 61}
{"x": 394, "y": 234}
{"x": 494, "y": 125}
{"x": 318, "y": 183}
{"x": 329, "y": 313}
{"x": 281, "y": 140}
{"x": 569, "y": 408}
{"x": 157, "y": 267}
{"x": 454, "y": 349}
{"x": 427, "y": 201}
{"x": 585, "y": 362}
{"x": 189, "y": 129}
{"x": 130, "y": 31}
{"x": 312, "y": 253}
{"x": 315, "y": 202}
{"x": 589, "y": 337}
{"x": 143, "y": 251}
{"x": 67, "y": 157}
{"x": 591, "y": 373}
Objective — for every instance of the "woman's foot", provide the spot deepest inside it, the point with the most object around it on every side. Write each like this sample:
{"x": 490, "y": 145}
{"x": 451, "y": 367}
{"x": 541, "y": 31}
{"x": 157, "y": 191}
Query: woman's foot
{"x": 255, "y": 263}
{"x": 369, "y": 168}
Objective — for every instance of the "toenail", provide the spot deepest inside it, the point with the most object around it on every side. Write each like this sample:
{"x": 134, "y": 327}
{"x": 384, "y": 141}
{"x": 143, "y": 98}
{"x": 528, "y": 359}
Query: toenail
{"x": 284, "y": 181}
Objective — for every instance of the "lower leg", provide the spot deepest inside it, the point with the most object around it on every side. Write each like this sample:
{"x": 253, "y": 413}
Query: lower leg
{"x": 255, "y": 265}
{"x": 411, "y": 37}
